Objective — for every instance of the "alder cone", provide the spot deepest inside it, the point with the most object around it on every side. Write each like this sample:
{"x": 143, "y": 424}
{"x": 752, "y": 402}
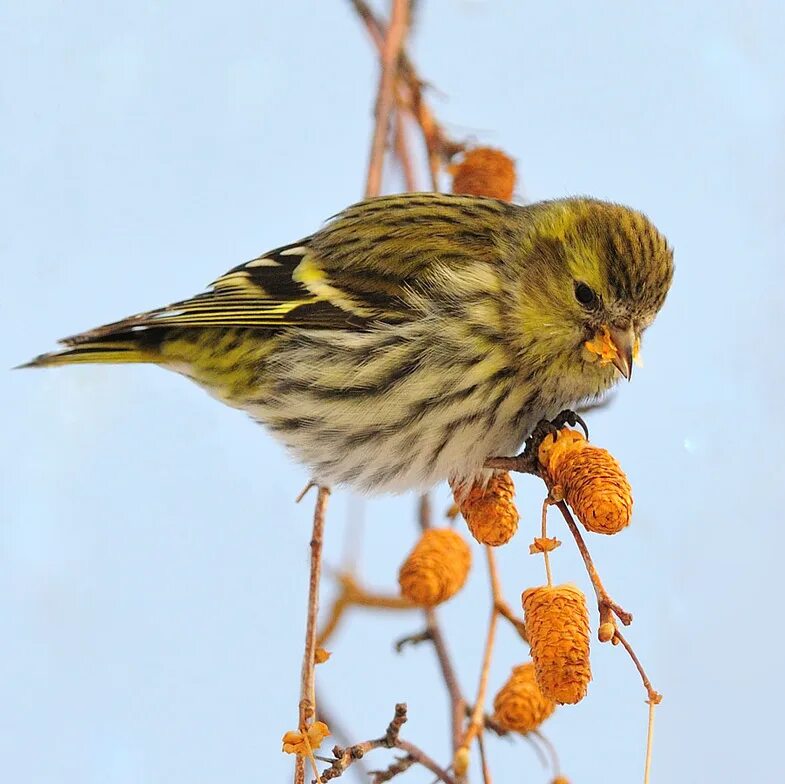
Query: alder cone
{"x": 591, "y": 480}
{"x": 484, "y": 171}
{"x": 436, "y": 568}
{"x": 557, "y": 626}
{"x": 520, "y": 705}
{"x": 489, "y": 510}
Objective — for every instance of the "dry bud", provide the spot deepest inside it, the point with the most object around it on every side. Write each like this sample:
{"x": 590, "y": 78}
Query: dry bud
{"x": 436, "y": 568}
{"x": 543, "y": 545}
{"x": 294, "y": 741}
{"x": 489, "y": 510}
{"x": 606, "y": 631}
{"x": 590, "y": 479}
{"x": 484, "y": 172}
{"x": 520, "y": 705}
{"x": 460, "y": 763}
{"x": 557, "y": 625}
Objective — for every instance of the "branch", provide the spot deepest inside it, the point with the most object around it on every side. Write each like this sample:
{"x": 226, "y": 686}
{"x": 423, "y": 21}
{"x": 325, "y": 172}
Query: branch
{"x": 403, "y": 153}
{"x": 412, "y": 639}
{"x": 391, "y": 51}
{"x": 604, "y": 601}
{"x": 655, "y": 698}
{"x": 478, "y": 713}
{"x": 457, "y": 702}
{"x": 400, "y": 765}
{"x": 346, "y": 757}
{"x": 340, "y": 734}
{"x": 506, "y": 612}
{"x": 423, "y": 759}
{"x": 486, "y": 771}
{"x": 354, "y": 595}
{"x": 307, "y": 707}
{"x": 439, "y": 145}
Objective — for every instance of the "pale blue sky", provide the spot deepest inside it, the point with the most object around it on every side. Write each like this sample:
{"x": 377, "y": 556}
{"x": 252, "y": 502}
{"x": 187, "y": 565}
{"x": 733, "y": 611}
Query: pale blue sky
{"x": 152, "y": 562}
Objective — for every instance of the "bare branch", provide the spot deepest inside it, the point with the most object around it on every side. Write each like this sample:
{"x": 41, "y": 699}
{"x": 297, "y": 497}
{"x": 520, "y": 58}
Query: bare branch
{"x": 307, "y": 707}
{"x": 385, "y": 100}
{"x": 477, "y": 723}
{"x": 400, "y": 765}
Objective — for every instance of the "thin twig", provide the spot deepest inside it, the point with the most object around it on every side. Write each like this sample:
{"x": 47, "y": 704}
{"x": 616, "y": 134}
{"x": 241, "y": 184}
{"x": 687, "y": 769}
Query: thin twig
{"x": 608, "y": 608}
{"x": 457, "y": 702}
{"x": 400, "y": 765}
{"x": 424, "y": 511}
{"x": 521, "y": 463}
{"x": 550, "y": 750}
{"x": 354, "y": 595}
{"x": 344, "y": 758}
{"x": 603, "y": 598}
{"x": 438, "y": 144}
{"x": 649, "y": 742}
{"x": 339, "y": 733}
{"x": 374, "y": 26}
{"x": 544, "y": 534}
{"x": 304, "y": 492}
{"x": 486, "y": 771}
{"x": 478, "y": 712}
{"x": 385, "y": 100}
{"x": 423, "y": 759}
{"x": 307, "y": 707}
{"x": 653, "y": 695}
{"x": 433, "y": 632}
{"x": 489, "y": 724}
{"x": 402, "y": 150}
{"x": 412, "y": 639}
{"x": 518, "y": 624}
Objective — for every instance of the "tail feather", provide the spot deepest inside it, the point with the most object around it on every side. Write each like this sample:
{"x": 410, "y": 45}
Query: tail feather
{"x": 120, "y": 348}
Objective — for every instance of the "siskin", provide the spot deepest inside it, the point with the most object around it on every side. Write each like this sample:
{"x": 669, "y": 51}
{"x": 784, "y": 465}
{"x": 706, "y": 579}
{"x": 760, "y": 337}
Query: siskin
{"x": 413, "y": 336}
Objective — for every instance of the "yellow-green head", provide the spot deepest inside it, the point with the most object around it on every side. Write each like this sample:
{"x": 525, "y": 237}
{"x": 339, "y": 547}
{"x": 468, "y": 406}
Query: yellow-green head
{"x": 592, "y": 277}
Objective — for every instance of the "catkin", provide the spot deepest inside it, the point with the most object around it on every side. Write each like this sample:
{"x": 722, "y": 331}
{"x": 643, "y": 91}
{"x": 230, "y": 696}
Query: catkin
{"x": 591, "y": 480}
{"x": 489, "y": 510}
{"x": 520, "y": 705}
{"x": 436, "y": 568}
{"x": 484, "y": 171}
{"x": 557, "y": 626}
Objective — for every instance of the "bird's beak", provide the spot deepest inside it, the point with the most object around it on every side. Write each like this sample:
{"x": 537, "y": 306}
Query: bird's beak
{"x": 624, "y": 342}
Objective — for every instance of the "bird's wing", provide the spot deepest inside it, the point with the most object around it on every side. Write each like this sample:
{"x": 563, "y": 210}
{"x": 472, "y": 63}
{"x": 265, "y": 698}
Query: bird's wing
{"x": 367, "y": 265}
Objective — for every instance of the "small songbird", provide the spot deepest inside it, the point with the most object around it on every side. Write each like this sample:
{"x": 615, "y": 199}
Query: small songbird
{"x": 413, "y": 336}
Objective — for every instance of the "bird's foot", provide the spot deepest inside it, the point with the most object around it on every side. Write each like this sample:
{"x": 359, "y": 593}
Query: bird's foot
{"x": 528, "y": 462}
{"x": 545, "y": 428}
{"x": 569, "y": 417}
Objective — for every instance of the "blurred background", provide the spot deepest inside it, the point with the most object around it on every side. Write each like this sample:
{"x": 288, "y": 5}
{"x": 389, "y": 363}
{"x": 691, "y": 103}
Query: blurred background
{"x": 152, "y": 559}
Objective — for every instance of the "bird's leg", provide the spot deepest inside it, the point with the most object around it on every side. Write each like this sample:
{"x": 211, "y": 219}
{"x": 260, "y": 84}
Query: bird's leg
{"x": 527, "y": 462}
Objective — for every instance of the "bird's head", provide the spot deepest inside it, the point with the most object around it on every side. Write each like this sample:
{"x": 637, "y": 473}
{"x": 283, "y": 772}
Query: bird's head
{"x": 594, "y": 276}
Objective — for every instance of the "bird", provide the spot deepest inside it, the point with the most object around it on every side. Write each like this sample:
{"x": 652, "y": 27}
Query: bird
{"x": 413, "y": 336}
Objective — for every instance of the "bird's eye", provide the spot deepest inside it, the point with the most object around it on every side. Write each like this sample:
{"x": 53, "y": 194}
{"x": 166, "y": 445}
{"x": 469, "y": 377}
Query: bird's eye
{"x": 585, "y": 295}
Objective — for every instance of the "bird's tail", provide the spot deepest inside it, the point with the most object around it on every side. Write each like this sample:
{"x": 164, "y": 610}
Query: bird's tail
{"x": 120, "y": 347}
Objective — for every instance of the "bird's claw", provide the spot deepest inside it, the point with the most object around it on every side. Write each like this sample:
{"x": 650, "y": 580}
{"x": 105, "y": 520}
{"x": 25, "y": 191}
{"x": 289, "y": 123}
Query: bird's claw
{"x": 569, "y": 417}
{"x": 546, "y": 427}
